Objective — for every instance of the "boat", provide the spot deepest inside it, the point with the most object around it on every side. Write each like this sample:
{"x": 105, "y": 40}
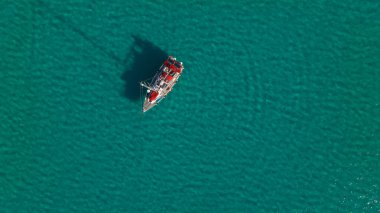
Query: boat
{"x": 162, "y": 83}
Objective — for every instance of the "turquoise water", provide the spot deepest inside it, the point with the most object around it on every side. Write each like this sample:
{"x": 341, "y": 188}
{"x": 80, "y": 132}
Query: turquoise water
{"x": 278, "y": 108}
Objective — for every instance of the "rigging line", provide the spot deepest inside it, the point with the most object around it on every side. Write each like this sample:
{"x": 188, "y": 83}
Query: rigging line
{"x": 141, "y": 92}
{"x": 146, "y": 80}
{"x": 142, "y": 100}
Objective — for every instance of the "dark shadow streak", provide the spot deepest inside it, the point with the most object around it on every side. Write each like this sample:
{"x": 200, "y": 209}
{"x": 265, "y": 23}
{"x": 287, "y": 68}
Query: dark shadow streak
{"x": 90, "y": 40}
{"x": 71, "y": 25}
{"x": 141, "y": 62}
{"x": 146, "y": 60}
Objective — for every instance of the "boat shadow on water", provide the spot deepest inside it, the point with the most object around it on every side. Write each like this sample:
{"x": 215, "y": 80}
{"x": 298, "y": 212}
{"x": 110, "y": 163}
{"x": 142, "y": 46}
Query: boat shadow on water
{"x": 142, "y": 62}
